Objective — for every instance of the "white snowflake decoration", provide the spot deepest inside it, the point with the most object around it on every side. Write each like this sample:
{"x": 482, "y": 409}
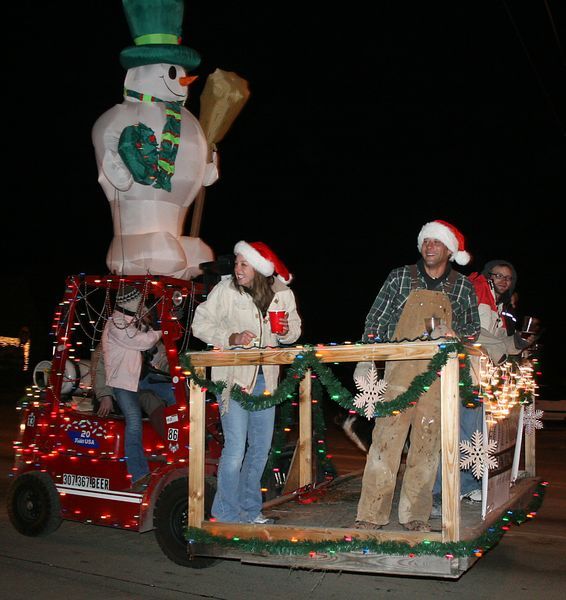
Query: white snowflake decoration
{"x": 371, "y": 391}
{"x": 478, "y": 455}
{"x": 532, "y": 419}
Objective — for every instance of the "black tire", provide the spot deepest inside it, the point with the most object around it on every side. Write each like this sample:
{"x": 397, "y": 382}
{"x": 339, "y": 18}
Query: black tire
{"x": 170, "y": 522}
{"x": 33, "y": 504}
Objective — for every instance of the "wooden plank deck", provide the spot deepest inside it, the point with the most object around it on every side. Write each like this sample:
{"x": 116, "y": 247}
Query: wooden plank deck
{"x": 334, "y": 506}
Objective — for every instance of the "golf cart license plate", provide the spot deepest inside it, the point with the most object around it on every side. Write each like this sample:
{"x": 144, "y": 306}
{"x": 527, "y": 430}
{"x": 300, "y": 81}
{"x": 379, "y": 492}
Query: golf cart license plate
{"x": 86, "y": 482}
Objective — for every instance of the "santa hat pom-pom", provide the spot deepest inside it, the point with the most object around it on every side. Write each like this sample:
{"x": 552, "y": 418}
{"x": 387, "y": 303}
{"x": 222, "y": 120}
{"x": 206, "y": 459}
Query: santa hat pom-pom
{"x": 462, "y": 257}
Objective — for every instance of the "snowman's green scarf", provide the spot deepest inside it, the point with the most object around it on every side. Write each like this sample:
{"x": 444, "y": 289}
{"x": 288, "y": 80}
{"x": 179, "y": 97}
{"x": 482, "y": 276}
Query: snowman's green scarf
{"x": 149, "y": 164}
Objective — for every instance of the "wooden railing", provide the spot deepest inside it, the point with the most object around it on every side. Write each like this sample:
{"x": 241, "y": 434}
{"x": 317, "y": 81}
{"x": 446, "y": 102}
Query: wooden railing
{"x": 450, "y": 414}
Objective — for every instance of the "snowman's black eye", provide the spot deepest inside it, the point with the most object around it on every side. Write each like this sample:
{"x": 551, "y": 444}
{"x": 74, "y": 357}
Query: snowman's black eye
{"x": 172, "y": 73}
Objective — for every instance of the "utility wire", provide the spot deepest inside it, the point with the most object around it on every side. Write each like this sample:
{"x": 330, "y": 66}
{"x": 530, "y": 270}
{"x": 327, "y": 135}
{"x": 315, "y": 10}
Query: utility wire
{"x": 555, "y": 32}
{"x": 537, "y": 75}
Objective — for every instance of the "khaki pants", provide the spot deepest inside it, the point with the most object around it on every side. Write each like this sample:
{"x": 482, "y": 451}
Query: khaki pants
{"x": 388, "y": 441}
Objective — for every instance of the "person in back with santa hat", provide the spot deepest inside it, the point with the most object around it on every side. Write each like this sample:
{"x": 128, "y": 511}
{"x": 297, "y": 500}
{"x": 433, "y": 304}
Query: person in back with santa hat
{"x": 235, "y": 314}
{"x": 409, "y": 297}
{"x": 494, "y": 287}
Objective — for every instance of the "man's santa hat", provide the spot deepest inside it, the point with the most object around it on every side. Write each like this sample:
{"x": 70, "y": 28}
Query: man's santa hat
{"x": 449, "y": 236}
{"x": 263, "y": 260}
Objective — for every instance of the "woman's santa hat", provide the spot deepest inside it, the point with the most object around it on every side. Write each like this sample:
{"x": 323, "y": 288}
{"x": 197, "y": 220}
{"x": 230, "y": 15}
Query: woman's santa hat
{"x": 449, "y": 236}
{"x": 263, "y": 260}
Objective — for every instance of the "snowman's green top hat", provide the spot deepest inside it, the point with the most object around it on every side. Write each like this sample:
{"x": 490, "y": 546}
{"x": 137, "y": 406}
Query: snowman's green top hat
{"x": 156, "y": 26}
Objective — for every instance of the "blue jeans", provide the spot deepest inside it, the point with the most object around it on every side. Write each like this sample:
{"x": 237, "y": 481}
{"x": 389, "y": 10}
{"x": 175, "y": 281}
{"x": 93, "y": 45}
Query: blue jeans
{"x": 238, "y": 494}
{"x": 470, "y": 421}
{"x": 164, "y": 389}
{"x": 135, "y": 457}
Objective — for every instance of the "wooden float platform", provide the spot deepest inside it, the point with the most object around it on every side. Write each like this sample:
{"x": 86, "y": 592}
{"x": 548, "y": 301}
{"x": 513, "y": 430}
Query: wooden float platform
{"x": 330, "y": 519}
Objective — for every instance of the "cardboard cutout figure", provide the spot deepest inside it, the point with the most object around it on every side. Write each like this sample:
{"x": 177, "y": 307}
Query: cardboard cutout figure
{"x": 151, "y": 152}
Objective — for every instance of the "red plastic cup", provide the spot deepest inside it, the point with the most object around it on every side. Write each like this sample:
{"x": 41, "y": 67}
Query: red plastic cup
{"x": 275, "y": 320}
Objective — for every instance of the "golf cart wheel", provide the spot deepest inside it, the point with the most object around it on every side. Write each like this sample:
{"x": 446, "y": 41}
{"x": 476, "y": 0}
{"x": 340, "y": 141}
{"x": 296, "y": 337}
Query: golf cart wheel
{"x": 170, "y": 522}
{"x": 33, "y": 504}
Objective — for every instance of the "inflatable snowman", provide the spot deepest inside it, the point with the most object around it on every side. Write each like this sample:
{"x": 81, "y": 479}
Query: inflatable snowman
{"x": 151, "y": 152}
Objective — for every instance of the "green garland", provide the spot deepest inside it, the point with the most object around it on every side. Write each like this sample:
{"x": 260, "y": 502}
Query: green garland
{"x": 336, "y": 391}
{"x": 477, "y": 547}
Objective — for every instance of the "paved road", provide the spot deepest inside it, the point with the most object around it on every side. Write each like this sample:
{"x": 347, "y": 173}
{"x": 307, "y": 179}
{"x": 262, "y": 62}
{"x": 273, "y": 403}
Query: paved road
{"x": 96, "y": 562}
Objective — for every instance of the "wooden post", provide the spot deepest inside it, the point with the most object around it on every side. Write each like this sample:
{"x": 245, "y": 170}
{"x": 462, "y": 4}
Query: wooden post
{"x": 305, "y": 431}
{"x": 197, "y": 407}
{"x": 450, "y": 435}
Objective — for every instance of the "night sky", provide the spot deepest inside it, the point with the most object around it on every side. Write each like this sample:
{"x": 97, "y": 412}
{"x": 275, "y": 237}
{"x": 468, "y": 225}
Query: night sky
{"x": 364, "y": 123}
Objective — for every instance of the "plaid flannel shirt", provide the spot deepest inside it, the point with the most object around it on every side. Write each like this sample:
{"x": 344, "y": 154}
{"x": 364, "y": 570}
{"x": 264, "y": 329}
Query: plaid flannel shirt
{"x": 390, "y": 301}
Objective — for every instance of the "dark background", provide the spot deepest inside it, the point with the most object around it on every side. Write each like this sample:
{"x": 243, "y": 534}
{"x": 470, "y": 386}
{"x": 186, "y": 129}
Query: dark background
{"x": 365, "y": 121}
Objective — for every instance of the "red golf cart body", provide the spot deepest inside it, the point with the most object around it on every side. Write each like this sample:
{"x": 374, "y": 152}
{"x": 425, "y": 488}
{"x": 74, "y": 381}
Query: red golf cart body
{"x": 69, "y": 462}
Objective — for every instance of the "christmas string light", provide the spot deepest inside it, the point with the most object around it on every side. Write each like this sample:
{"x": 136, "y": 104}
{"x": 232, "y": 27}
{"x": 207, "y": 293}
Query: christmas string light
{"x": 505, "y": 385}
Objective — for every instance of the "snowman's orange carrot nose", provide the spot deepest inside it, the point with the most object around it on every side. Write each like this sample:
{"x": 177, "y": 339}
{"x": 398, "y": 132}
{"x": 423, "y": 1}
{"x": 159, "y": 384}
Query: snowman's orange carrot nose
{"x": 188, "y": 79}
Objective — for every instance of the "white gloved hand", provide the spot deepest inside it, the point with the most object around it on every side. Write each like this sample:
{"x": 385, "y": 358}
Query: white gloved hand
{"x": 116, "y": 171}
{"x": 362, "y": 369}
{"x": 211, "y": 173}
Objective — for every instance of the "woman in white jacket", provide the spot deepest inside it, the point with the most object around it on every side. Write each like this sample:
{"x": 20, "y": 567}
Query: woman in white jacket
{"x": 235, "y": 314}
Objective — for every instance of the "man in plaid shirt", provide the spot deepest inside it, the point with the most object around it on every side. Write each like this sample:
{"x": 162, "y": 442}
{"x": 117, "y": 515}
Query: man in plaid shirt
{"x": 410, "y": 297}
